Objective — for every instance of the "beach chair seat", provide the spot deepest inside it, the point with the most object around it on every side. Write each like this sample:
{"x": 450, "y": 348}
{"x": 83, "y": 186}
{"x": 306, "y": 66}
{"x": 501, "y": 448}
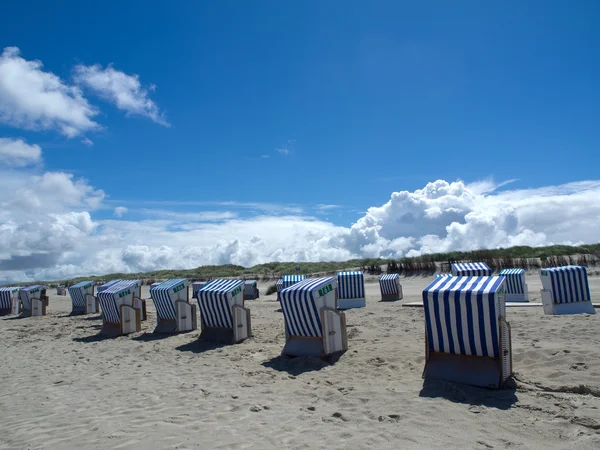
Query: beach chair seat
{"x": 391, "y": 289}
{"x": 121, "y": 308}
{"x": 250, "y": 290}
{"x": 351, "y": 290}
{"x": 467, "y": 337}
{"x": 223, "y": 317}
{"x": 83, "y": 299}
{"x": 472, "y": 269}
{"x": 34, "y": 301}
{"x": 9, "y": 301}
{"x": 516, "y": 288}
{"x": 174, "y": 313}
{"x": 566, "y": 290}
{"x": 313, "y": 325}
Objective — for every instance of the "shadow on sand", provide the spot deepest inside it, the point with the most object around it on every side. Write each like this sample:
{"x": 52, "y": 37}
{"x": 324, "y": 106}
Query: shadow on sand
{"x": 201, "y": 346}
{"x": 470, "y": 395}
{"x": 299, "y": 364}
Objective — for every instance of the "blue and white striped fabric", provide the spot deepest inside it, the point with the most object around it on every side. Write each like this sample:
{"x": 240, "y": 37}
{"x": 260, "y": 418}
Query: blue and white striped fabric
{"x": 214, "y": 301}
{"x": 388, "y": 283}
{"x": 569, "y": 284}
{"x": 6, "y": 296}
{"x": 476, "y": 269}
{"x": 515, "y": 280}
{"x": 351, "y": 285}
{"x": 106, "y": 285}
{"x": 289, "y": 280}
{"x": 299, "y": 309}
{"x": 165, "y": 308}
{"x": 443, "y": 275}
{"x": 28, "y": 293}
{"x": 461, "y": 315}
{"x": 108, "y": 299}
{"x": 279, "y": 285}
{"x": 78, "y": 291}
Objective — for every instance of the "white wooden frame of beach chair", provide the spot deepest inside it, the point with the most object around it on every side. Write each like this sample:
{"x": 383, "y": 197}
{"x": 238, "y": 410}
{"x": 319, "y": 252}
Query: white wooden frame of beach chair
{"x": 472, "y": 269}
{"x": 174, "y": 312}
{"x": 351, "y": 290}
{"x": 223, "y": 317}
{"x": 83, "y": 299}
{"x": 467, "y": 337}
{"x": 121, "y": 309}
{"x": 313, "y": 325}
{"x": 9, "y": 301}
{"x": 390, "y": 287}
{"x": 250, "y": 290}
{"x": 34, "y": 301}
{"x": 566, "y": 290}
{"x": 516, "y": 288}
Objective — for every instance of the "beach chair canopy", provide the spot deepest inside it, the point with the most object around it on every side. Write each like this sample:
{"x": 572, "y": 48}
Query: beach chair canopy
{"x": 351, "y": 284}
{"x": 164, "y": 295}
{"x": 215, "y": 300}
{"x": 112, "y": 294}
{"x": 475, "y": 269}
{"x": 461, "y": 315}
{"x": 79, "y": 290}
{"x": 569, "y": 284}
{"x": 300, "y": 311}
{"x": 6, "y": 296}
{"x": 289, "y": 280}
{"x": 279, "y": 285}
{"x": 389, "y": 283}
{"x": 443, "y": 275}
{"x": 515, "y": 280}
{"x": 106, "y": 285}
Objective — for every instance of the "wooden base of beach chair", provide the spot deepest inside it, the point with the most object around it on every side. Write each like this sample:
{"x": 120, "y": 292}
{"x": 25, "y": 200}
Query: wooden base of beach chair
{"x": 472, "y": 370}
{"x": 349, "y": 303}
{"x": 77, "y": 311}
{"x": 559, "y": 309}
{"x": 241, "y": 330}
{"x": 517, "y": 298}
{"x": 16, "y": 307}
{"x": 392, "y": 297}
{"x": 186, "y": 320}
{"x": 5, "y": 311}
{"x": 130, "y": 322}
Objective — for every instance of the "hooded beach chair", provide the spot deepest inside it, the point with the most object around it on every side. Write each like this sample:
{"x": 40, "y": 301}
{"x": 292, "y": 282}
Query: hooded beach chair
{"x": 279, "y": 284}
{"x": 61, "y": 290}
{"x": 474, "y": 269}
{"x": 290, "y": 280}
{"x": 390, "y": 287}
{"x": 351, "y": 290}
{"x": 516, "y": 288}
{"x": 250, "y": 290}
{"x": 137, "y": 288}
{"x": 83, "y": 299}
{"x": 9, "y": 301}
{"x": 467, "y": 338}
{"x": 223, "y": 317}
{"x": 196, "y": 285}
{"x": 565, "y": 290}
{"x": 313, "y": 325}
{"x": 442, "y": 275}
{"x": 34, "y": 301}
{"x": 121, "y": 308}
{"x": 174, "y": 313}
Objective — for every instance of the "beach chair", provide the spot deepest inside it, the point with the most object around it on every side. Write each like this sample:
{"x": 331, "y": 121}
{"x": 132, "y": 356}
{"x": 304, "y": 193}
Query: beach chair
{"x": 61, "y": 290}
{"x": 442, "y": 275}
{"x": 223, "y": 317}
{"x": 279, "y": 285}
{"x": 121, "y": 308}
{"x": 290, "y": 280}
{"x": 313, "y": 325}
{"x": 196, "y": 285}
{"x": 390, "y": 287}
{"x": 516, "y": 288}
{"x": 475, "y": 269}
{"x": 565, "y": 290}
{"x": 250, "y": 290}
{"x": 137, "y": 288}
{"x": 351, "y": 290}
{"x": 174, "y": 313}
{"x": 34, "y": 301}
{"x": 467, "y": 337}
{"x": 83, "y": 299}
{"x": 9, "y": 301}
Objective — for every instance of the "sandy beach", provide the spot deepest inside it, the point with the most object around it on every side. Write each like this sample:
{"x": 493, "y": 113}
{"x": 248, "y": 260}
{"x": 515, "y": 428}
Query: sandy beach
{"x": 64, "y": 386}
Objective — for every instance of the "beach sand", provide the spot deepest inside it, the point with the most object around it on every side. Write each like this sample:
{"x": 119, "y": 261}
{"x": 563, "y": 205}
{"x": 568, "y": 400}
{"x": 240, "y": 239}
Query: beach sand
{"x": 63, "y": 386}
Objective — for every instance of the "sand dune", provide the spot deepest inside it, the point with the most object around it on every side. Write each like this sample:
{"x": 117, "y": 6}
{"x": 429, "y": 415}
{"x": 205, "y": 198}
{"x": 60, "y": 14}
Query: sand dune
{"x": 63, "y": 386}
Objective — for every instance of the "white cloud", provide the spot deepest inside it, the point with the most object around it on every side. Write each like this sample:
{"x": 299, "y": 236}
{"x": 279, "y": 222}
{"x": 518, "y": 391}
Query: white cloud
{"x": 284, "y": 151}
{"x": 120, "y": 211}
{"x": 31, "y": 98}
{"x": 287, "y": 148}
{"x": 17, "y": 153}
{"x": 264, "y": 156}
{"x": 124, "y": 90}
{"x": 87, "y": 141}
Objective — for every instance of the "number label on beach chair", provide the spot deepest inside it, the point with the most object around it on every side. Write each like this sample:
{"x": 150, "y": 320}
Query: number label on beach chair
{"x": 236, "y": 291}
{"x": 325, "y": 289}
{"x": 178, "y": 288}
{"x": 124, "y": 293}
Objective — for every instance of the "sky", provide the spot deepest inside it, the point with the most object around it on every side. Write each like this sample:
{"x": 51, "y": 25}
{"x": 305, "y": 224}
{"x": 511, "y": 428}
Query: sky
{"x": 139, "y": 136}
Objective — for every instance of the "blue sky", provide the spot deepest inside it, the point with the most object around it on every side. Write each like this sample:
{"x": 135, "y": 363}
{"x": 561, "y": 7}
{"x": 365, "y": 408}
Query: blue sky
{"x": 309, "y": 104}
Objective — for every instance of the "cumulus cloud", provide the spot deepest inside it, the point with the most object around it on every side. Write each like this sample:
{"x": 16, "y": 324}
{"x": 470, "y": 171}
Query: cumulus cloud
{"x": 119, "y": 211}
{"x": 31, "y": 98}
{"x": 123, "y": 90}
{"x": 17, "y": 153}
{"x": 87, "y": 141}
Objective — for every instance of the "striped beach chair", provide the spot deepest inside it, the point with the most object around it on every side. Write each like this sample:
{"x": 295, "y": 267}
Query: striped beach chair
{"x": 279, "y": 285}
{"x": 83, "y": 299}
{"x": 174, "y": 313}
{"x": 9, "y": 301}
{"x": 106, "y": 285}
{"x": 34, "y": 301}
{"x": 351, "y": 290}
{"x": 223, "y": 317}
{"x": 516, "y": 288}
{"x": 442, "y": 275}
{"x": 313, "y": 325}
{"x": 390, "y": 287}
{"x": 61, "y": 290}
{"x": 289, "y": 280}
{"x": 565, "y": 290}
{"x": 137, "y": 289}
{"x": 475, "y": 269}
{"x": 250, "y": 290}
{"x": 121, "y": 308}
{"x": 467, "y": 338}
